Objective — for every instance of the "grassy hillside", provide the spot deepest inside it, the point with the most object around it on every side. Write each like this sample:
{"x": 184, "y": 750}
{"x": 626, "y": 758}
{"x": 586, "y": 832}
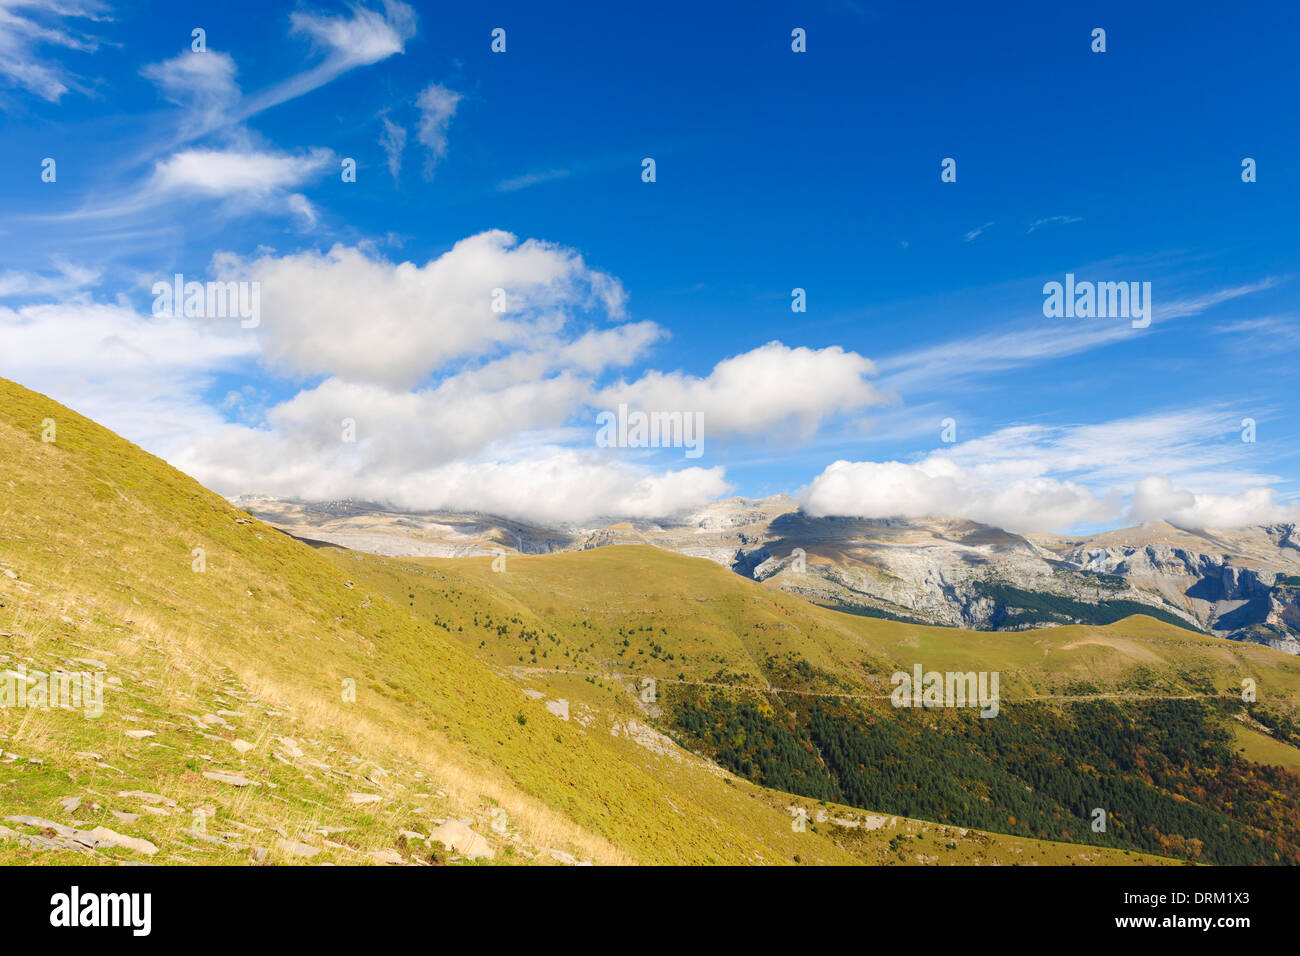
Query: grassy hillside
{"x": 265, "y": 702}
{"x": 1140, "y": 718}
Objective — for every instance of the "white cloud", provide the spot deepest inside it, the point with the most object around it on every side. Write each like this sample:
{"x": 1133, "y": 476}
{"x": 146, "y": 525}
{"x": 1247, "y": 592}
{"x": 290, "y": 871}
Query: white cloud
{"x": 560, "y": 487}
{"x": 201, "y": 83}
{"x": 365, "y": 37}
{"x": 67, "y": 280}
{"x": 365, "y": 319}
{"x": 1054, "y": 478}
{"x": 437, "y": 105}
{"x": 301, "y": 206}
{"x": 1157, "y": 498}
{"x": 204, "y": 82}
{"x": 220, "y": 173}
{"x": 566, "y": 488}
{"x": 773, "y": 388}
{"x": 29, "y": 26}
{"x": 143, "y": 376}
{"x": 937, "y": 487}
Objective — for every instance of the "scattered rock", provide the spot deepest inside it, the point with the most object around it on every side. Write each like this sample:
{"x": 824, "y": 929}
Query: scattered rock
{"x": 113, "y": 838}
{"x": 456, "y": 835}
{"x": 209, "y": 838}
{"x": 70, "y": 804}
{"x": 70, "y": 838}
{"x": 295, "y": 848}
{"x": 147, "y": 797}
{"x": 234, "y": 779}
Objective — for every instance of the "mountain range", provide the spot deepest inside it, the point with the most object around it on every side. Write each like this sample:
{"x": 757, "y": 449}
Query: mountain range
{"x": 1240, "y": 584}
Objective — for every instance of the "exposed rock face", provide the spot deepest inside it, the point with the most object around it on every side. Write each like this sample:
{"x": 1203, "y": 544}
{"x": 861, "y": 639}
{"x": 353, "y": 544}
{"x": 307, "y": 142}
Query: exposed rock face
{"x": 1242, "y": 584}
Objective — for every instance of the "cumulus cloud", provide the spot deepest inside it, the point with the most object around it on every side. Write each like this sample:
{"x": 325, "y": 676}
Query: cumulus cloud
{"x": 1157, "y": 499}
{"x": 563, "y": 487}
{"x": 437, "y": 105}
{"x": 773, "y": 387}
{"x": 937, "y": 487}
{"x": 480, "y": 439}
{"x": 1055, "y": 478}
{"x": 143, "y": 376}
{"x": 365, "y": 319}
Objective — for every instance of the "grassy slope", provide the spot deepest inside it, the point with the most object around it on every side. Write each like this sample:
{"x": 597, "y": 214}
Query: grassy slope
{"x": 96, "y": 541}
{"x": 715, "y": 621}
{"x": 579, "y": 626}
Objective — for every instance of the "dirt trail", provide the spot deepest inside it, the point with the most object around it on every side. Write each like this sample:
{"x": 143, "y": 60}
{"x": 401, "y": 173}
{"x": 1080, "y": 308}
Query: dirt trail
{"x": 769, "y": 689}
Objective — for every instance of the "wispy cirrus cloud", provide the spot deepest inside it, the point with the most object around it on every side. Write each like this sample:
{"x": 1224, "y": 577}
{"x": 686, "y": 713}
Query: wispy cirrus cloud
{"x": 393, "y": 141}
{"x": 243, "y": 180}
{"x": 1269, "y": 333}
{"x": 437, "y": 105}
{"x": 1064, "y": 220}
{"x": 67, "y": 279}
{"x": 362, "y": 38}
{"x": 29, "y": 29}
{"x": 515, "y": 183}
{"x": 1043, "y": 340}
{"x": 204, "y": 82}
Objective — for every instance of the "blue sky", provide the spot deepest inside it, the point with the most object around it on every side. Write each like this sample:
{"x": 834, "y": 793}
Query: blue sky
{"x": 774, "y": 170}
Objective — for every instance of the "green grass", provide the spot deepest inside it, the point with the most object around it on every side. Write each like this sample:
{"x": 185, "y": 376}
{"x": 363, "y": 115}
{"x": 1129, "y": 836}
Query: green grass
{"x": 387, "y": 695}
